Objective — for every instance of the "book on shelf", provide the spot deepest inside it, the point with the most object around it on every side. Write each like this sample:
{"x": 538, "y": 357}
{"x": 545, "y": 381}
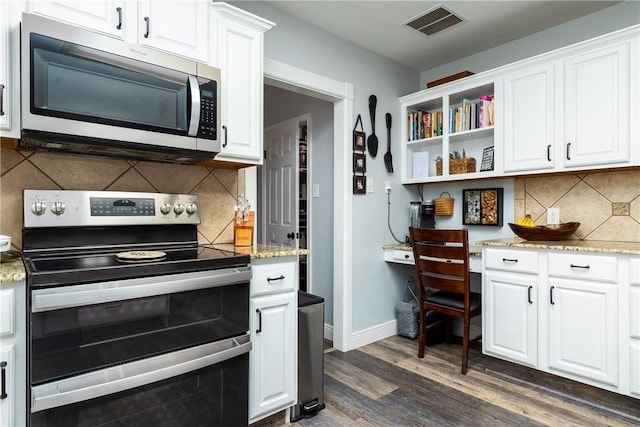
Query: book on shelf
{"x": 423, "y": 124}
{"x": 471, "y": 114}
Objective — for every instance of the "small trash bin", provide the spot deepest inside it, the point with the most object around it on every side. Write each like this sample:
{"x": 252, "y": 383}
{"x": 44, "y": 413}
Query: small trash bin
{"x": 310, "y": 356}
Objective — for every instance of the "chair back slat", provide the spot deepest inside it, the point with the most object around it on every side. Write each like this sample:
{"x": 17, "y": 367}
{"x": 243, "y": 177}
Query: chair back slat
{"x": 443, "y": 283}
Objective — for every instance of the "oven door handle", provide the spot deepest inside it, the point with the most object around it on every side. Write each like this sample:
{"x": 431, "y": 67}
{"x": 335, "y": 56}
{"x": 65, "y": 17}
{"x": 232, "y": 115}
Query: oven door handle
{"x": 57, "y": 298}
{"x": 135, "y": 374}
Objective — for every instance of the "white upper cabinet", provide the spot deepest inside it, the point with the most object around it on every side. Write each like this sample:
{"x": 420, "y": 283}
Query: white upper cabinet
{"x": 10, "y": 69}
{"x": 113, "y": 17}
{"x": 178, "y": 27}
{"x": 595, "y": 113}
{"x": 529, "y": 119}
{"x": 239, "y": 53}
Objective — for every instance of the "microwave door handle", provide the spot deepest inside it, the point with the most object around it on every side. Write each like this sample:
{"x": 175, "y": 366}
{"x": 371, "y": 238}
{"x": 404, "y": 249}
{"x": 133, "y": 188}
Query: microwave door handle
{"x": 194, "y": 91}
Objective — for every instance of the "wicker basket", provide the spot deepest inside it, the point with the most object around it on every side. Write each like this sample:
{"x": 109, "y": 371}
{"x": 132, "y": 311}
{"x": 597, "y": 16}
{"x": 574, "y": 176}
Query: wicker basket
{"x": 444, "y": 205}
{"x": 456, "y": 166}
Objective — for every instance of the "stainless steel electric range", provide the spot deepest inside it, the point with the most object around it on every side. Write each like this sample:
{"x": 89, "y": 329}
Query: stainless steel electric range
{"x": 131, "y": 322}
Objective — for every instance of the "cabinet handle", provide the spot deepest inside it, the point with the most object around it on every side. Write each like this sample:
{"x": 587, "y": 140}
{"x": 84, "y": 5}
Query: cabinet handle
{"x": 146, "y": 25}
{"x": 259, "y": 321}
{"x": 549, "y": 152}
{"x": 119, "y": 10}
{"x": 551, "y": 295}
{"x": 509, "y": 260}
{"x": 1, "y": 100}
{"x": 224, "y": 128}
{"x": 3, "y": 366}
{"x": 586, "y": 267}
{"x": 529, "y": 294}
{"x": 273, "y": 279}
{"x": 568, "y": 156}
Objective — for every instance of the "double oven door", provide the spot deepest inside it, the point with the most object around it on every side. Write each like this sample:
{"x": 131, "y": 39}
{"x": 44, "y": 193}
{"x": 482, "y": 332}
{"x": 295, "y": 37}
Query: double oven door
{"x": 167, "y": 350}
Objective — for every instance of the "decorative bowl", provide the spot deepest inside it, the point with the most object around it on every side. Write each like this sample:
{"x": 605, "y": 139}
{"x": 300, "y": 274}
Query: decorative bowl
{"x": 545, "y": 232}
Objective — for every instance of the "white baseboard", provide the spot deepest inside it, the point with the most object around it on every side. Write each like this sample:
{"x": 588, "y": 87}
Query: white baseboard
{"x": 388, "y": 329}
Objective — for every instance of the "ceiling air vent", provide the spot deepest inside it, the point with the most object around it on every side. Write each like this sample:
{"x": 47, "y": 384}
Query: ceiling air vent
{"x": 434, "y": 21}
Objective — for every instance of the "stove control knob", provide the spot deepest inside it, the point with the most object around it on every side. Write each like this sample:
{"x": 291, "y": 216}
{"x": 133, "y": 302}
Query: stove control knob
{"x": 38, "y": 207}
{"x": 192, "y": 208}
{"x": 58, "y": 207}
{"x": 165, "y": 208}
{"x": 178, "y": 209}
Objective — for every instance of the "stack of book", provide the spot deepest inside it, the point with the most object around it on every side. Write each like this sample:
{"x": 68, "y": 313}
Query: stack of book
{"x": 423, "y": 124}
{"x": 471, "y": 114}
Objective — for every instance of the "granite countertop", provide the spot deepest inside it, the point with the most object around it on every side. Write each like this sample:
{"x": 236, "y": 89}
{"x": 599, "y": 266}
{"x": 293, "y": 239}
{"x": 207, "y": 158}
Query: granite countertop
{"x": 260, "y": 251}
{"x": 12, "y": 271}
{"x": 632, "y": 248}
{"x": 473, "y": 250}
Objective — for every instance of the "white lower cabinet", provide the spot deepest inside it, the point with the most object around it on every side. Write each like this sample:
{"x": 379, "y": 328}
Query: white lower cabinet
{"x": 566, "y": 316}
{"x": 511, "y": 319}
{"x": 274, "y": 334}
{"x": 8, "y": 399}
{"x": 583, "y": 329}
{"x": 634, "y": 327}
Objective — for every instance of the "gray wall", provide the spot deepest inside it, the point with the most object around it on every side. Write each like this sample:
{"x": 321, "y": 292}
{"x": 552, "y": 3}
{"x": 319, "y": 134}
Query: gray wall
{"x": 281, "y": 105}
{"x": 613, "y": 18}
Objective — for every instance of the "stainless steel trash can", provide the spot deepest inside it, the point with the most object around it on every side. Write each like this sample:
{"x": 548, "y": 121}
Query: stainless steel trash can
{"x": 310, "y": 356}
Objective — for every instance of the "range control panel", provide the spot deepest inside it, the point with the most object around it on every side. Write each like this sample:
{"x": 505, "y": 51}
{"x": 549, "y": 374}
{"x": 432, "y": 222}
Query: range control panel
{"x": 69, "y": 208}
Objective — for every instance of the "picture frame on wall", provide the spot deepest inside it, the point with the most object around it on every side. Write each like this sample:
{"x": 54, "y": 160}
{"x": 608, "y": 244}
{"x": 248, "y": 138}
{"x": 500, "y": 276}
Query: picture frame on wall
{"x": 359, "y": 139}
{"x": 482, "y": 206}
{"x": 359, "y": 184}
{"x": 359, "y": 163}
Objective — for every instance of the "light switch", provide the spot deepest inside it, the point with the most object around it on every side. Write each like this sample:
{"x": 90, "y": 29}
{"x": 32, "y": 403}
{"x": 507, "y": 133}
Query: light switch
{"x": 315, "y": 190}
{"x": 369, "y": 185}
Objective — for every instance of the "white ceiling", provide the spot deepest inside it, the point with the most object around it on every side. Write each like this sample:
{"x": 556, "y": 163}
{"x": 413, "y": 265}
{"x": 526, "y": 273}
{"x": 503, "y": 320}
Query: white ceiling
{"x": 380, "y": 25}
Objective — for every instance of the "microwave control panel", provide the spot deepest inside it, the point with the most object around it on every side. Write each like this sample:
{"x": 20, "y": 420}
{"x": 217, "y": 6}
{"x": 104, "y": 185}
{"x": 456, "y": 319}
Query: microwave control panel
{"x": 208, "y": 114}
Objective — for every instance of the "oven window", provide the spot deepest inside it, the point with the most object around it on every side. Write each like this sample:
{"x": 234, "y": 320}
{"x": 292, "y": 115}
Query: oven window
{"x": 213, "y": 396}
{"x": 76, "y": 340}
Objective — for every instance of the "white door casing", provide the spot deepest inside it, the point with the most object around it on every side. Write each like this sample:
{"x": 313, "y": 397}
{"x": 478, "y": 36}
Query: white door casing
{"x": 280, "y": 184}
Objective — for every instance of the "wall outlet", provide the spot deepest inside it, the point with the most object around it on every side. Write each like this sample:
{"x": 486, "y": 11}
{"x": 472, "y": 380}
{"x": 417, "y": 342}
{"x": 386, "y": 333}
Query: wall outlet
{"x": 553, "y": 216}
{"x": 387, "y": 187}
{"x": 369, "y": 185}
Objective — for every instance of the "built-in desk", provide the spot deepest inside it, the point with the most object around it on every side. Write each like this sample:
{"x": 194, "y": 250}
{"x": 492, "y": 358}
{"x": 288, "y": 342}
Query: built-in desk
{"x": 403, "y": 254}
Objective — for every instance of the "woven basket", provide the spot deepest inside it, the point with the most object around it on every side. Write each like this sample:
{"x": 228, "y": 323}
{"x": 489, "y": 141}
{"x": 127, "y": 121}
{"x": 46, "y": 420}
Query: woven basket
{"x": 456, "y": 166}
{"x": 444, "y": 205}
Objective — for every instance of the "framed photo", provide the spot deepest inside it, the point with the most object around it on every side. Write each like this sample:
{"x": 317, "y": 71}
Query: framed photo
{"x": 487, "y": 159}
{"x": 482, "y": 206}
{"x": 359, "y": 162}
{"x": 359, "y": 139}
{"x": 359, "y": 184}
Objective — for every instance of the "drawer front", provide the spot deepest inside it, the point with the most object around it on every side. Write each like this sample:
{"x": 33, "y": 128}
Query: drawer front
{"x": 634, "y": 273}
{"x": 512, "y": 260}
{"x": 279, "y": 277}
{"x": 7, "y": 302}
{"x": 601, "y": 268}
{"x": 403, "y": 256}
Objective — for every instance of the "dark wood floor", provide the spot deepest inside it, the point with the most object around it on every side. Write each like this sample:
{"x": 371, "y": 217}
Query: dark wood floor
{"x": 385, "y": 384}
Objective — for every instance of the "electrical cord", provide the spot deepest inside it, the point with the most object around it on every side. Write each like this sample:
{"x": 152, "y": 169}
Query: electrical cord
{"x": 389, "y": 218}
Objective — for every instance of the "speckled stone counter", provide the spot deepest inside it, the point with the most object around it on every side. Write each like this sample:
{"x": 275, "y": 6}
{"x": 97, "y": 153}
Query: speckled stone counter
{"x": 260, "y": 251}
{"x": 12, "y": 271}
{"x": 631, "y": 248}
{"x": 473, "y": 250}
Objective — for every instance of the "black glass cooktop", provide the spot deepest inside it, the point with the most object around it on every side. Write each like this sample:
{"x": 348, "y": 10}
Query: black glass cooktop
{"x": 61, "y": 269}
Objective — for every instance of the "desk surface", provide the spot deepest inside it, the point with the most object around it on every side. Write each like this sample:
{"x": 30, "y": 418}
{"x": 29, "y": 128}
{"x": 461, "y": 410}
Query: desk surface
{"x": 473, "y": 250}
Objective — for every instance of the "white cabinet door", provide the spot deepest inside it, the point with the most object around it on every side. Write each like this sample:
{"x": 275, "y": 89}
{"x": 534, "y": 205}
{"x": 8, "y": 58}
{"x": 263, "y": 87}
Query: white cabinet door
{"x": 113, "y": 17}
{"x": 510, "y": 320}
{"x": 178, "y": 27}
{"x": 239, "y": 56}
{"x": 8, "y": 367}
{"x": 273, "y": 358}
{"x": 596, "y": 107}
{"x": 10, "y": 69}
{"x": 529, "y": 119}
{"x": 583, "y": 329}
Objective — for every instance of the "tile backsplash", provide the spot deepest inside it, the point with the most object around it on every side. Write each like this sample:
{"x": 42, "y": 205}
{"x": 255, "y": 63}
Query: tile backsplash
{"x": 217, "y": 189}
{"x": 606, "y": 204}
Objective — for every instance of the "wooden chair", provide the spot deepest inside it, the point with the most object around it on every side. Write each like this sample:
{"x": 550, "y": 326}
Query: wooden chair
{"x": 442, "y": 264}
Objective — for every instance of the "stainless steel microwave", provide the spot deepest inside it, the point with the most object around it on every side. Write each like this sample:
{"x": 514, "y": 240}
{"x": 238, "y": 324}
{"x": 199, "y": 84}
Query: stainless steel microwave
{"x": 88, "y": 93}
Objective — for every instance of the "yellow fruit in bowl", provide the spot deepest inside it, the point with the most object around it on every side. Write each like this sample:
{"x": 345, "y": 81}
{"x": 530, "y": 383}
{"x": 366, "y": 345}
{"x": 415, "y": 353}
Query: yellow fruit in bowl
{"x": 526, "y": 221}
